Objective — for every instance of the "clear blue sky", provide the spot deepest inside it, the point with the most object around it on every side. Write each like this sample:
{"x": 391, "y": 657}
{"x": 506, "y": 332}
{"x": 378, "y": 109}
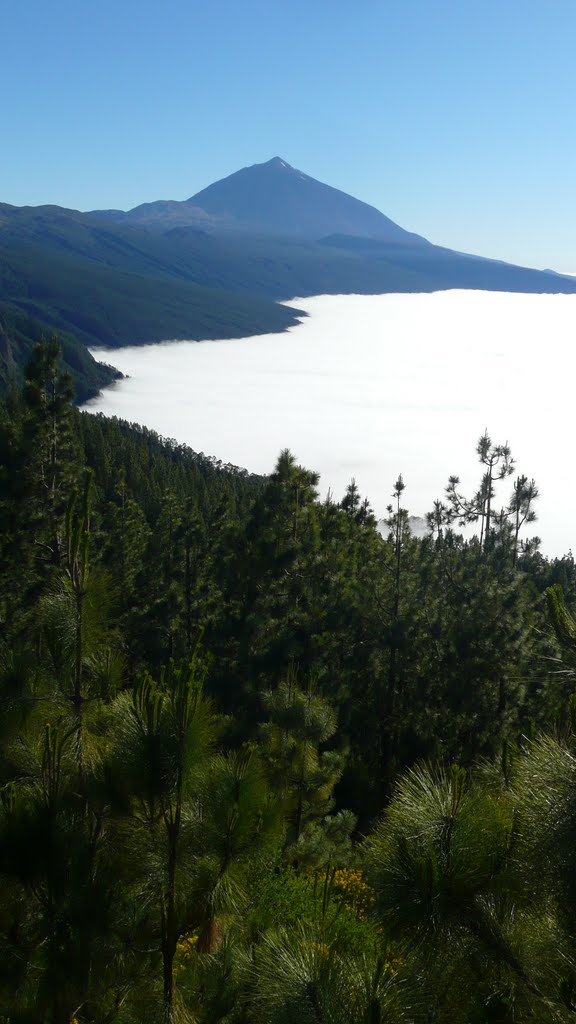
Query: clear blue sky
{"x": 454, "y": 117}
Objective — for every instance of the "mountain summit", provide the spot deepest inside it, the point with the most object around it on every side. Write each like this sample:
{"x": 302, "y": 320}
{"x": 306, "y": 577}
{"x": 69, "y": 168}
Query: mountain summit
{"x": 276, "y": 199}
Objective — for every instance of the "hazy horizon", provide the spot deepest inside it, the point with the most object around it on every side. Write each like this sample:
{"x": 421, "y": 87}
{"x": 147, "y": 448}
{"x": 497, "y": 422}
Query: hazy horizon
{"x": 372, "y": 386}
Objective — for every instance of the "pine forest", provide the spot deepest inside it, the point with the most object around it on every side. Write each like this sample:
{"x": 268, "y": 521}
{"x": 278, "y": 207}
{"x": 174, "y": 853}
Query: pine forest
{"x": 263, "y": 761}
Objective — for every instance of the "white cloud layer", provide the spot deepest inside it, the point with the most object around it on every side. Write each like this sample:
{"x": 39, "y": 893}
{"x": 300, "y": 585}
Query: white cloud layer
{"x": 371, "y": 386}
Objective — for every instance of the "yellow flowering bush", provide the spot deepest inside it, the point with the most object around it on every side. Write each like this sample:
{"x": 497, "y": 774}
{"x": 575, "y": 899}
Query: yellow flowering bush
{"x": 185, "y": 949}
{"x": 350, "y": 888}
{"x": 322, "y": 949}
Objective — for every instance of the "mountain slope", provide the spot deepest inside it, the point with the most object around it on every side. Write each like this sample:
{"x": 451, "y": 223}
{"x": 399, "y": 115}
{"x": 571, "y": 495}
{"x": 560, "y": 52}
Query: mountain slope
{"x": 19, "y": 333}
{"x": 276, "y": 198}
{"x": 47, "y": 253}
{"x": 112, "y": 285}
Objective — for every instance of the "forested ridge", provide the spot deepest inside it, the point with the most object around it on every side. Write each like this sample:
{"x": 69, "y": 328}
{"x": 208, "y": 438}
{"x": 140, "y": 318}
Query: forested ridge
{"x": 20, "y": 332}
{"x": 261, "y": 765}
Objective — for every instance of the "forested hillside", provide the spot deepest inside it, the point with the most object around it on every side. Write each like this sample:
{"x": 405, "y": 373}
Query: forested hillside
{"x": 259, "y": 765}
{"x": 19, "y": 333}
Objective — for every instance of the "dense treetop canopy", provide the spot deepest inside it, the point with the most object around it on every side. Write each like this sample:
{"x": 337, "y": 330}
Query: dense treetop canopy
{"x": 259, "y": 762}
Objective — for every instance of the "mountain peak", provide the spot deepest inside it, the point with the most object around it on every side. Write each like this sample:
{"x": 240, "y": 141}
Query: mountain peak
{"x": 274, "y": 198}
{"x": 277, "y": 162}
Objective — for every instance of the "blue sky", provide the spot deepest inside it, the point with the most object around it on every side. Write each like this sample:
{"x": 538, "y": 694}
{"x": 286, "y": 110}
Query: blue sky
{"x": 456, "y": 118}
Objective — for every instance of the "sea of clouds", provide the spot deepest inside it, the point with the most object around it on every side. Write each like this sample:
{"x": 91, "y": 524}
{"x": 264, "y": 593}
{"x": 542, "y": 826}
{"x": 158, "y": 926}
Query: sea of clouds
{"x": 373, "y": 386}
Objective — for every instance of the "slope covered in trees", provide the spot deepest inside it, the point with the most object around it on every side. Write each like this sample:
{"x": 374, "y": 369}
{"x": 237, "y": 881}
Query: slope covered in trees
{"x": 19, "y": 333}
{"x": 259, "y": 764}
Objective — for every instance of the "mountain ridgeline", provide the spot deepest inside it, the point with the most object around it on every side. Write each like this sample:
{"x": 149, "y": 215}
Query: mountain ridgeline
{"x": 214, "y": 266}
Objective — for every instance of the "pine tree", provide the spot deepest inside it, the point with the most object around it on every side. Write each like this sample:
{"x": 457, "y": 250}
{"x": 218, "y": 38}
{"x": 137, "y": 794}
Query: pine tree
{"x": 443, "y": 863}
{"x": 497, "y": 458}
{"x": 49, "y": 449}
{"x": 300, "y": 722}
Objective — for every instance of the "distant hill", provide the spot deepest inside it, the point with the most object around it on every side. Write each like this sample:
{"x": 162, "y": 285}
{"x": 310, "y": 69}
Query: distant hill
{"x": 214, "y": 266}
